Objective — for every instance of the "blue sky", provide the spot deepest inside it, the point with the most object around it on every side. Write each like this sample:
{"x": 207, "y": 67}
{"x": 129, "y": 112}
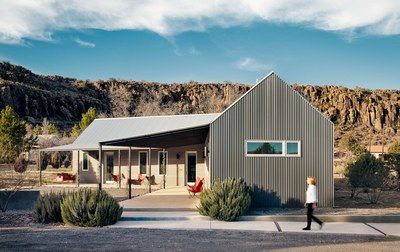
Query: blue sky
{"x": 243, "y": 52}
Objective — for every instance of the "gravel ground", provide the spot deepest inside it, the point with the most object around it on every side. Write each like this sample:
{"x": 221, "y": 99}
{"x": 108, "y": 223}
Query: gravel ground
{"x": 106, "y": 239}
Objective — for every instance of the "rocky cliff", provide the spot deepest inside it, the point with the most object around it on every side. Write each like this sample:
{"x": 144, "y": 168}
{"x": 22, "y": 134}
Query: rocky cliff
{"x": 373, "y": 115}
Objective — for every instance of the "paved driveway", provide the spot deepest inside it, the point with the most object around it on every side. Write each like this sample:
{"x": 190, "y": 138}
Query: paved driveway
{"x": 107, "y": 239}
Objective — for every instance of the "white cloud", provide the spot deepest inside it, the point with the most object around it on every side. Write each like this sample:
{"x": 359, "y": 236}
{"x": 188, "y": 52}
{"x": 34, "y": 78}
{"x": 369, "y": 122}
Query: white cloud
{"x": 84, "y": 43}
{"x": 39, "y": 19}
{"x": 252, "y": 65}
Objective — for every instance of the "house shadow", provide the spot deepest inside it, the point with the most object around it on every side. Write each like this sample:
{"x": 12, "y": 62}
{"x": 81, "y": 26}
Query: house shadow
{"x": 263, "y": 198}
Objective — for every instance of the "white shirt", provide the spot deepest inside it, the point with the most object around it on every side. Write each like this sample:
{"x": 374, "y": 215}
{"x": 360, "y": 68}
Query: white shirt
{"x": 311, "y": 194}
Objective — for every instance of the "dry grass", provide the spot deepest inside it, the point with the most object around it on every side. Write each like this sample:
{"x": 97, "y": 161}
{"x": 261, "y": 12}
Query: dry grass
{"x": 389, "y": 198}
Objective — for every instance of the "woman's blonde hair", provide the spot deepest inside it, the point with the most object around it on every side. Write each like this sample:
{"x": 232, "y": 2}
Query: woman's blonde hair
{"x": 313, "y": 180}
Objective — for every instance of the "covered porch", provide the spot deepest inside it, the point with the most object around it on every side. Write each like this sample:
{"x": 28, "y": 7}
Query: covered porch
{"x": 170, "y": 159}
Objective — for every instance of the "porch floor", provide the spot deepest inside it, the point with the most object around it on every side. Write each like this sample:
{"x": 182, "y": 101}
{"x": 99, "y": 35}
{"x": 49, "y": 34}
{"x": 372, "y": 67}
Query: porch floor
{"x": 170, "y": 199}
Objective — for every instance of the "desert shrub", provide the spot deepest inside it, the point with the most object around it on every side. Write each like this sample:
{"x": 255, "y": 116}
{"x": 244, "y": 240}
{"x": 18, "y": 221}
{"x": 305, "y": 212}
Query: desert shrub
{"x": 20, "y": 164}
{"x": 55, "y": 159}
{"x": 48, "y": 208}
{"x": 90, "y": 208}
{"x": 226, "y": 200}
{"x": 369, "y": 174}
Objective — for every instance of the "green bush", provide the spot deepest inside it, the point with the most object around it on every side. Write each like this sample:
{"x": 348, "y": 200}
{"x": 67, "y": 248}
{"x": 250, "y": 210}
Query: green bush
{"x": 226, "y": 200}
{"x": 90, "y": 208}
{"x": 369, "y": 174}
{"x": 47, "y": 208}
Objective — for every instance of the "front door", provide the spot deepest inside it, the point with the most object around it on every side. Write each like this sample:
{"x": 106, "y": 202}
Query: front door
{"x": 191, "y": 160}
{"x": 109, "y": 165}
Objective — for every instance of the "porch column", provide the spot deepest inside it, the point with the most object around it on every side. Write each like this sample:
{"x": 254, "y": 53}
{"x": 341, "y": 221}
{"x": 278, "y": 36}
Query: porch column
{"x": 40, "y": 169}
{"x": 129, "y": 173}
{"x": 149, "y": 170}
{"x": 100, "y": 166}
{"x": 77, "y": 172}
{"x": 164, "y": 167}
{"x": 119, "y": 168}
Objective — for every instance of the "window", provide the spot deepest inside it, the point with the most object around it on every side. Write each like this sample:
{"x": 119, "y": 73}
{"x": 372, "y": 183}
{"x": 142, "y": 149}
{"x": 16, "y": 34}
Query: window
{"x": 272, "y": 148}
{"x": 143, "y": 162}
{"x": 85, "y": 162}
{"x": 292, "y": 148}
{"x": 161, "y": 167}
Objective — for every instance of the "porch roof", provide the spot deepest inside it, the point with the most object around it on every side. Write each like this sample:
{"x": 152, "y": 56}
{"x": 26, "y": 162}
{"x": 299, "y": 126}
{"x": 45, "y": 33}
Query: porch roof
{"x": 114, "y": 132}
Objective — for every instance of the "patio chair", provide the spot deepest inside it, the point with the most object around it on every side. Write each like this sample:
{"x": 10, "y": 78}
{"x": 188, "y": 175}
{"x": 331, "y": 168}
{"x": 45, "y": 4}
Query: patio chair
{"x": 115, "y": 178}
{"x": 137, "y": 181}
{"x": 196, "y": 188}
{"x": 63, "y": 176}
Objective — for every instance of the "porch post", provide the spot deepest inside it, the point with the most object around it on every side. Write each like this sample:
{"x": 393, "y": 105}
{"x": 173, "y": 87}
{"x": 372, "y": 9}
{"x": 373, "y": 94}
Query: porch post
{"x": 164, "y": 167}
{"x": 40, "y": 169}
{"x": 149, "y": 170}
{"x": 119, "y": 168}
{"x": 129, "y": 173}
{"x": 77, "y": 172}
{"x": 100, "y": 166}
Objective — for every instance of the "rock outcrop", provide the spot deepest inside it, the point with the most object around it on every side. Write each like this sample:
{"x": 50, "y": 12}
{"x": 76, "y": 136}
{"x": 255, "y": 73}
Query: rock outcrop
{"x": 372, "y": 115}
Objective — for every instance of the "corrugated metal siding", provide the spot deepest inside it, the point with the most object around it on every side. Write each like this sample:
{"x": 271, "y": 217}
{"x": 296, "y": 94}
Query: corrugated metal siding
{"x": 274, "y": 111}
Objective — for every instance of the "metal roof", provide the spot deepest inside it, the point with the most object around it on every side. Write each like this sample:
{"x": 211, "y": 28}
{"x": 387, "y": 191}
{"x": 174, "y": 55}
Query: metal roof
{"x": 107, "y": 129}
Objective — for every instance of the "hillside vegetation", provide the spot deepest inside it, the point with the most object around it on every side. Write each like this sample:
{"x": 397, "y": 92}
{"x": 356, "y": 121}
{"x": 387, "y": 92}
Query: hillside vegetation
{"x": 372, "y": 115}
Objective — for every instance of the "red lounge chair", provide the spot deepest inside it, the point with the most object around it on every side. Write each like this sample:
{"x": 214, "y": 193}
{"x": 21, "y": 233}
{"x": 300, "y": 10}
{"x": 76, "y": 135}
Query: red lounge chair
{"x": 137, "y": 181}
{"x": 115, "y": 177}
{"x": 65, "y": 177}
{"x": 196, "y": 188}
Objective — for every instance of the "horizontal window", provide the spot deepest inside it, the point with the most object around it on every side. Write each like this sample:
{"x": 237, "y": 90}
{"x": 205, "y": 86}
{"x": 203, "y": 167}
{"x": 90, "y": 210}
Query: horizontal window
{"x": 273, "y": 148}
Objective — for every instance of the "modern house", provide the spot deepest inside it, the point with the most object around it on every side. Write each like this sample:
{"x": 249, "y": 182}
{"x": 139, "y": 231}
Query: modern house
{"x": 271, "y": 136}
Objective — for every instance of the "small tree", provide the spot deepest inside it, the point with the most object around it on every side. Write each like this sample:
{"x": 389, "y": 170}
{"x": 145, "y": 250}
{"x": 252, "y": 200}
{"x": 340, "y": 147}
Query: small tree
{"x": 55, "y": 159}
{"x": 12, "y": 133}
{"x": 351, "y": 146}
{"x": 368, "y": 173}
{"x": 392, "y": 160}
{"x": 48, "y": 128}
{"x": 87, "y": 119}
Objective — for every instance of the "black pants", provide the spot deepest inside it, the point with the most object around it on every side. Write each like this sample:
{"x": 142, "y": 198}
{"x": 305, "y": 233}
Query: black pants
{"x": 310, "y": 215}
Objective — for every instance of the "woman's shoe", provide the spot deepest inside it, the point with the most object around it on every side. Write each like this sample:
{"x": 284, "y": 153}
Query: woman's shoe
{"x": 306, "y": 228}
{"x": 321, "y": 225}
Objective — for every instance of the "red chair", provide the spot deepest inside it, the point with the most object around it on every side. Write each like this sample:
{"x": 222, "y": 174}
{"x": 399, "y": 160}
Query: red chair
{"x": 196, "y": 188}
{"x": 115, "y": 178}
{"x": 137, "y": 181}
{"x": 63, "y": 176}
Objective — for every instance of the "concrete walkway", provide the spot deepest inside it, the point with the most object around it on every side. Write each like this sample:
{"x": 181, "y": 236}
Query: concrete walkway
{"x": 192, "y": 220}
{"x": 381, "y": 229}
{"x": 171, "y": 199}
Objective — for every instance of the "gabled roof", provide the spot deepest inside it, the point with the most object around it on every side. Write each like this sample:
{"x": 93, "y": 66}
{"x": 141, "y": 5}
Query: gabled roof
{"x": 107, "y": 129}
{"x": 272, "y": 73}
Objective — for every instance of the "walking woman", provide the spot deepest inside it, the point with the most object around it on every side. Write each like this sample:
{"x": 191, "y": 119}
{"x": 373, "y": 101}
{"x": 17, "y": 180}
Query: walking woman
{"x": 311, "y": 203}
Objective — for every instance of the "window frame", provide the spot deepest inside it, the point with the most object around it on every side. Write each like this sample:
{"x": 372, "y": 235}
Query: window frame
{"x": 298, "y": 148}
{"x": 83, "y": 161}
{"x": 166, "y": 162}
{"x": 147, "y": 161}
{"x": 284, "y": 148}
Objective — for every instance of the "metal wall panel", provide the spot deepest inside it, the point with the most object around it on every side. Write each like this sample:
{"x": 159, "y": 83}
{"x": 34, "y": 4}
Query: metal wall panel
{"x": 272, "y": 110}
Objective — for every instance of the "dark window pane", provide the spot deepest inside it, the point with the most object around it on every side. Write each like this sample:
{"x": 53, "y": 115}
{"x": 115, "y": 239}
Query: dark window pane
{"x": 143, "y": 162}
{"x": 264, "y": 148}
{"x": 292, "y": 148}
{"x": 85, "y": 162}
{"x": 161, "y": 162}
